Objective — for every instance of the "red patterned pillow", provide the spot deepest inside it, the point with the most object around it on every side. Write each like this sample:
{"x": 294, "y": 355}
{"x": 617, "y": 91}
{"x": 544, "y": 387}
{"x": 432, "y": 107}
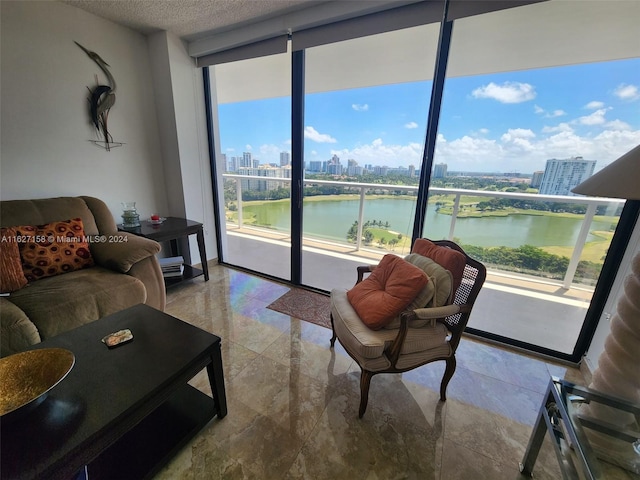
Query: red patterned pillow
{"x": 384, "y": 294}
{"x": 11, "y": 275}
{"x": 53, "y": 248}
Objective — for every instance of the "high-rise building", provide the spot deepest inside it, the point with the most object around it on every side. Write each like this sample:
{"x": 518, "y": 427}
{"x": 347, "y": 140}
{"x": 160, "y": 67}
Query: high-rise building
{"x": 245, "y": 161}
{"x": 412, "y": 171}
{"x": 440, "y": 170}
{"x": 536, "y": 179}
{"x": 285, "y": 159}
{"x": 560, "y": 176}
{"x": 315, "y": 166}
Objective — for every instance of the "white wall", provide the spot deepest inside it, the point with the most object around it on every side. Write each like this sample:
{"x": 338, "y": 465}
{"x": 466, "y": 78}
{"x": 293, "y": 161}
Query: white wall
{"x": 180, "y": 103}
{"x": 45, "y": 148}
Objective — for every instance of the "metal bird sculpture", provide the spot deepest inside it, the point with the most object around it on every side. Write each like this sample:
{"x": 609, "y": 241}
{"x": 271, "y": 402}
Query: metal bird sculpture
{"x": 101, "y": 98}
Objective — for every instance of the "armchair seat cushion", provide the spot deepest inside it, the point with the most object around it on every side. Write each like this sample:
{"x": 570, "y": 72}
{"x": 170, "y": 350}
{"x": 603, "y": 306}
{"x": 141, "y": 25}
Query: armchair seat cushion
{"x": 368, "y": 346}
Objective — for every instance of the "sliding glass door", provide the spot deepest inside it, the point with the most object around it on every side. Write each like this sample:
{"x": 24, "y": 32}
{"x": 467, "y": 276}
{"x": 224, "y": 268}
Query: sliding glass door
{"x": 366, "y": 107}
{"x": 253, "y": 160}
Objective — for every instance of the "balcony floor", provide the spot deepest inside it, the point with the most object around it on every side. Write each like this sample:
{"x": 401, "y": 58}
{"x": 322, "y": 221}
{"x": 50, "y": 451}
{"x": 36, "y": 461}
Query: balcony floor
{"x": 527, "y": 309}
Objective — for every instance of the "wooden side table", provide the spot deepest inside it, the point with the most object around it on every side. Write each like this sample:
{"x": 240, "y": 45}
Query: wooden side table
{"x": 172, "y": 229}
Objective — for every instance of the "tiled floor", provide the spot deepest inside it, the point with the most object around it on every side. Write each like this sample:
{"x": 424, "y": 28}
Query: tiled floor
{"x": 293, "y": 401}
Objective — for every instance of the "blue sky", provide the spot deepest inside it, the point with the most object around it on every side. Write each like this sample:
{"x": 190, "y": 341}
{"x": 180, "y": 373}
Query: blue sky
{"x": 500, "y": 122}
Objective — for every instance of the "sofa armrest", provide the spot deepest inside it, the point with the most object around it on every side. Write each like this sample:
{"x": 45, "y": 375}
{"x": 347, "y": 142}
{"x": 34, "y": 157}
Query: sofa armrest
{"x": 17, "y": 332}
{"x": 148, "y": 271}
{"x": 122, "y": 251}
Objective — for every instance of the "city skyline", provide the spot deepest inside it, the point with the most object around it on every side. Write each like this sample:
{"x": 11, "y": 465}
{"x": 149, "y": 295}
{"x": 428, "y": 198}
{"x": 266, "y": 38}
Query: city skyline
{"x": 508, "y": 122}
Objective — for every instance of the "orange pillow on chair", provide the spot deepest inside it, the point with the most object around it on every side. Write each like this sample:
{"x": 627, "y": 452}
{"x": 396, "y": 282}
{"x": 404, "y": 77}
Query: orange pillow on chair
{"x": 387, "y": 291}
{"x": 447, "y": 258}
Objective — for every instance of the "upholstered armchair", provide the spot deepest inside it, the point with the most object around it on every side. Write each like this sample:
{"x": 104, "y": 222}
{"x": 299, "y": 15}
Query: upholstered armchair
{"x": 407, "y": 312}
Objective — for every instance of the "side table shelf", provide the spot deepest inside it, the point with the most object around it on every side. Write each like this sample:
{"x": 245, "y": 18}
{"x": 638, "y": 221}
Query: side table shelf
{"x": 171, "y": 230}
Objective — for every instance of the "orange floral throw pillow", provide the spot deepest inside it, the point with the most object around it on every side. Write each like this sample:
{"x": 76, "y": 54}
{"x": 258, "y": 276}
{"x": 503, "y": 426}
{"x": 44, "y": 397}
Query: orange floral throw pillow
{"x": 387, "y": 291}
{"x": 11, "y": 275}
{"x": 53, "y": 248}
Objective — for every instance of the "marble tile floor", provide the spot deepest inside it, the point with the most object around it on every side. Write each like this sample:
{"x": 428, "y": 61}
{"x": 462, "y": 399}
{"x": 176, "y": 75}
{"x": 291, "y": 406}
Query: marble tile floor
{"x": 293, "y": 401}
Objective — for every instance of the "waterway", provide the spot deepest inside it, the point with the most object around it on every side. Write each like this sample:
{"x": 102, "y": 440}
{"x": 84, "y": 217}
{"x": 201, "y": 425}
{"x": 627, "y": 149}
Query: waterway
{"x": 331, "y": 219}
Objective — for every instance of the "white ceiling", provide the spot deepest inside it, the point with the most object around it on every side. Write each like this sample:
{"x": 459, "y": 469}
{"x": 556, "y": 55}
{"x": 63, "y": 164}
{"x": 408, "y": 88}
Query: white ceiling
{"x": 189, "y": 19}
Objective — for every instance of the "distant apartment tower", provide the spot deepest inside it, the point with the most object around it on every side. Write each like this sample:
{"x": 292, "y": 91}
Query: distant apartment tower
{"x": 560, "y": 176}
{"x": 285, "y": 159}
{"x": 245, "y": 161}
{"x": 536, "y": 179}
{"x": 412, "y": 171}
{"x": 440, "y": 170}
{"x": 315, "y": 166}
{"x": 382, "y": 171}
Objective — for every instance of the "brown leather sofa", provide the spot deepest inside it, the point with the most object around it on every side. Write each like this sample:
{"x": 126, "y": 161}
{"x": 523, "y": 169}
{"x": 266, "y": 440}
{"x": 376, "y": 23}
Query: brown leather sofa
{"x": 126, "y": 272}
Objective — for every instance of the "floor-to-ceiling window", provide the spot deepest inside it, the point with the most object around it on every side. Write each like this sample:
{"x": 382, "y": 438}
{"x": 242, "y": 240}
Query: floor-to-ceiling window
{"x": 253, "y": 100}
{"x": 366, "y": 108}
{"x": 542, "y": 82}
{"x": 536, "y": 99}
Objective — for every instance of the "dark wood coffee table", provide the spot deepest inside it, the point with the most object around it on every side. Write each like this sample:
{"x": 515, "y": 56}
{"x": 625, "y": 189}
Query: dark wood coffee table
{"x": 122, "y": 412}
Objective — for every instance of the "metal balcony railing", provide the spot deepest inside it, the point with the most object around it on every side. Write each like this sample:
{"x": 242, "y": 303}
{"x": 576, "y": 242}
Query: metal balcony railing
{"x": 591, "y": 203}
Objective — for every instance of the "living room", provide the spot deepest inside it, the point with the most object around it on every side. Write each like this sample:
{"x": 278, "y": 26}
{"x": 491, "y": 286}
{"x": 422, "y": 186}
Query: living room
{"x": 163, "y": 163}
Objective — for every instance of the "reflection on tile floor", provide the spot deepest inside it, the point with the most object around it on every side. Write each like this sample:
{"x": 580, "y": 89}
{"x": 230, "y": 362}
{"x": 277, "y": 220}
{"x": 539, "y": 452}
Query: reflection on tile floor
{"x": 293, "y": 401}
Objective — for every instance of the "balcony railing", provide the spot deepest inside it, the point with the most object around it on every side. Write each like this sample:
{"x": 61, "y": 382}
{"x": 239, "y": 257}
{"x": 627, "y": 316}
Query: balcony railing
{"x": 591, "y": 204}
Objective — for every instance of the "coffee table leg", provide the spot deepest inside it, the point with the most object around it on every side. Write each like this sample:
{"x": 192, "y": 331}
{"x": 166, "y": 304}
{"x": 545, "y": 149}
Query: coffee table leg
{"x": 216, "y": 380}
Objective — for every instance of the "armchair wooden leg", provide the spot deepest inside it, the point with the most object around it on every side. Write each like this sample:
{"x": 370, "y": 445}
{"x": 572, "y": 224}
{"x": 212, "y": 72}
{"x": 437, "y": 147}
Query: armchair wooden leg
{"x": 333, "y": 330}
{"x": 365, "y": 381}
{"x": 448, "y": 373}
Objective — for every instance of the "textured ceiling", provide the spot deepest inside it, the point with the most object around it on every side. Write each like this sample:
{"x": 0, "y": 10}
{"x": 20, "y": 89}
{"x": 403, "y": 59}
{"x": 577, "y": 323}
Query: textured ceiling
{"x": 188, "y": 19}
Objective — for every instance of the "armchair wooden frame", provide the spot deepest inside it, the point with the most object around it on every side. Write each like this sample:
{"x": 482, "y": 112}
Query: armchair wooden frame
{"x": 454, "y": 316}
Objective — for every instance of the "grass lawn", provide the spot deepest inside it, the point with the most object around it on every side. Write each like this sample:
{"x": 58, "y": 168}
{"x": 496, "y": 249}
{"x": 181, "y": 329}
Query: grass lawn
{"x": 592, "y": 251}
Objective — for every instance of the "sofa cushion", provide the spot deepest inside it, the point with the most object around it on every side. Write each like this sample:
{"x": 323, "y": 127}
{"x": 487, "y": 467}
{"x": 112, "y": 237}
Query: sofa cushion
{"x": 53, "y": 248}
{"x": 46, "y": 210}
{"x": 11, "y": 275}
{"x": 62, "y": 302}
{"x": 385, "y": 293}
{"x": 450, "y": 259}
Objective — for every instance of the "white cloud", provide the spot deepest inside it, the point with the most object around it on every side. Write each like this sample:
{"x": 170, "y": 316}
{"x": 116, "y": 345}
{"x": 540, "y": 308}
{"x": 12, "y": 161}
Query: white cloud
{"x": 508, "y": 92}
{"x": 411, "y": 125}
{"x": 378, "y": 153}
{"x": 594, "y": 105}
{"x": 248, "y": 147}
{"x": 627, "y": 92}
{"x": 556, "y": 113}
{"x": 617, "y": 125}
{"x": 230, "y": 150}
{"x": 561, "y": 127}
{"x": 360, "y": 107}
{"x": 312, "y": 134}
{"x": 595, "y": 118}
{"x": 517, "y": 134}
